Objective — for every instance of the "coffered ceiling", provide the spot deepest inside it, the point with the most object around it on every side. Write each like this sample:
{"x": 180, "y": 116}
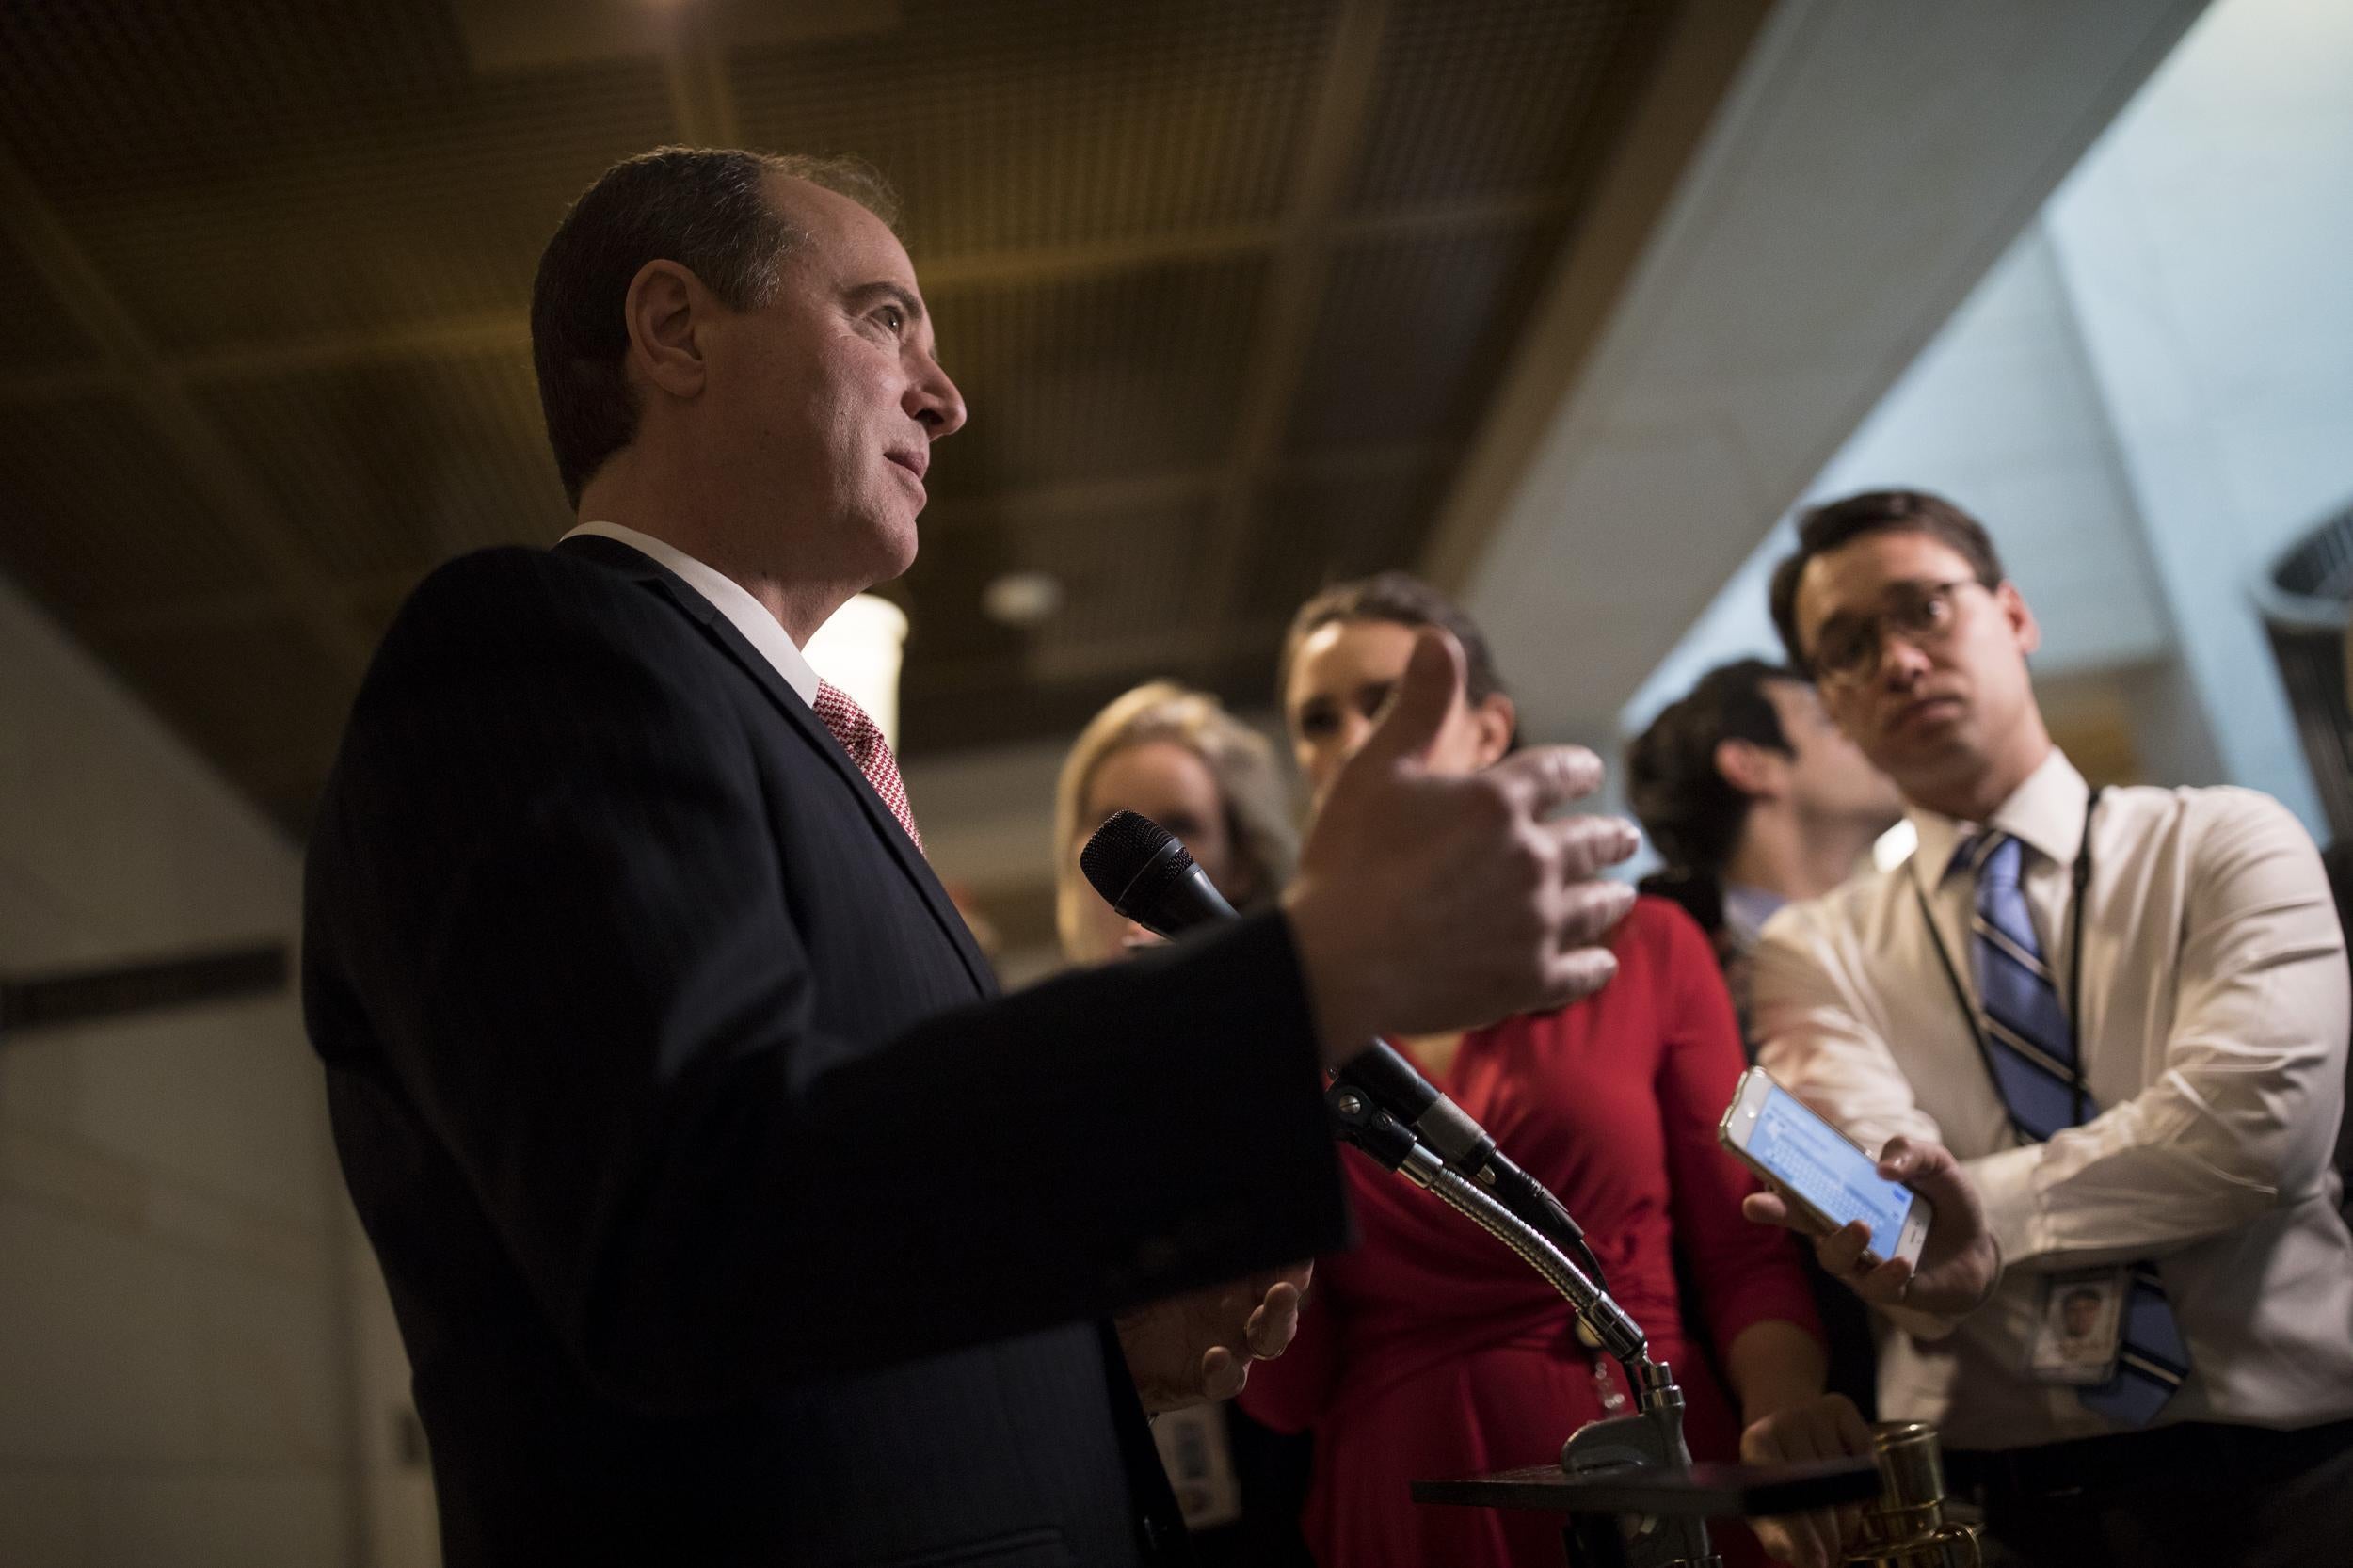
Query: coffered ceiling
{"x": 1228, "y": 284}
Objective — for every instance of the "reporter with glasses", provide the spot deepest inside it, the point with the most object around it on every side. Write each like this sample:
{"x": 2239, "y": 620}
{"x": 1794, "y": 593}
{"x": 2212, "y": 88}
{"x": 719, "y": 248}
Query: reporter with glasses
{"x": 2124, "y": 1012}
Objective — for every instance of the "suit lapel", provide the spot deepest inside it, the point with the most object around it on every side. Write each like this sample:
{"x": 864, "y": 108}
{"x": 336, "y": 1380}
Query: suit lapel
{"x": 813, "y": 729}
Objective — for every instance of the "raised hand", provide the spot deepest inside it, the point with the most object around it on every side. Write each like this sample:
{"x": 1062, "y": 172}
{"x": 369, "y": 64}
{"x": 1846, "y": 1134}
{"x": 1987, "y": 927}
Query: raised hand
{"x": 1427, "y": 903}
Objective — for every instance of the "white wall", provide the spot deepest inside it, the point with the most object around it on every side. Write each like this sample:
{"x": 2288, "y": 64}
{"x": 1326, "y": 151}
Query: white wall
{"x": 2206, "y": 243}
{"x": 1874, "y": 160}
{"x": 2000, "y": 414}
{"x": 2149, "y": 399}
{"x": 175, "y": 1357}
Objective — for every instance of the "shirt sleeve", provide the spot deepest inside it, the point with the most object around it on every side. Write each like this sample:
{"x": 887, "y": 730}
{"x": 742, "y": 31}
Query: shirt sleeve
{"x": 2242, "y": 1118}
{"x": 1745, "y": 1273}
{"x": 1814, "y": 1038}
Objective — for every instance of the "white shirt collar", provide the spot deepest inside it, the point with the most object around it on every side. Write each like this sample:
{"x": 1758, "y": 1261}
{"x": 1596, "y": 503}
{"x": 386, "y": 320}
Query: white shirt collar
{"x": 726, "y": 596}
{"x": 2045, "y": 814}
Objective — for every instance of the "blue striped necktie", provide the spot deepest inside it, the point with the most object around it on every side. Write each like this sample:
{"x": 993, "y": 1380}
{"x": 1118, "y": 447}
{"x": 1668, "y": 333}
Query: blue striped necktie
{"x": 2030, "y": 1047}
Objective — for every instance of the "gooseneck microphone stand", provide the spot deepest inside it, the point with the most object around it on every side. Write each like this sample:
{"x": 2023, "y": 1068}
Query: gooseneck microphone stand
{"x": 1650, "y": 1439}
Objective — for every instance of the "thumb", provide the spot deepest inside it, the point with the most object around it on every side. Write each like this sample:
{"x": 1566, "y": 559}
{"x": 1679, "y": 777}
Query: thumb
{"x": 1426, "y": 695}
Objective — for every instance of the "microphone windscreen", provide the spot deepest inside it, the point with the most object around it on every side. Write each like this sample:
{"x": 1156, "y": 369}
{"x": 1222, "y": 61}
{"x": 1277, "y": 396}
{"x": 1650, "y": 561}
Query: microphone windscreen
{"x": 1126, "y": 843}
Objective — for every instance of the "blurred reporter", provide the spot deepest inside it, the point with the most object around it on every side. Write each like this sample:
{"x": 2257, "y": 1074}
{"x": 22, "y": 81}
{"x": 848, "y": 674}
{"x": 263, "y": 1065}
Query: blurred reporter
{"x": 2125, "y": 1011}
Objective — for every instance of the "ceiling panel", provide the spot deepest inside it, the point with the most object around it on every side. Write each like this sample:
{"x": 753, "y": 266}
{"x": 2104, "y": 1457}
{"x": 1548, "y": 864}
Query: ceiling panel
{"x": 148, "y": 94}
{"x": 240, "y": 173}
{"x": 304, "y": 237}
{"x": 391, "y": 467}
{"x": 1413, "y": 333}
{"x": 1477, "y": 99}
{"x": 1019, "y": 124}
{"x": 1308, "y": 531}
{"x": 35, "y": 331}
{"x": 1137, "y": 372}
{"x": 1129, "y": 581}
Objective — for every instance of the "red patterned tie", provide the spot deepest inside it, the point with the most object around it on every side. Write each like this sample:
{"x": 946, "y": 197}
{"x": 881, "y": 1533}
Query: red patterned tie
{"x": 862, "y": 738}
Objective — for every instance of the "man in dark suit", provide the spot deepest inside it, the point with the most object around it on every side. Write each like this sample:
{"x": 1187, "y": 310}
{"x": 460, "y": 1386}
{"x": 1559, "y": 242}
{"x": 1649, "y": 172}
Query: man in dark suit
{"x": 728, "y": 1215}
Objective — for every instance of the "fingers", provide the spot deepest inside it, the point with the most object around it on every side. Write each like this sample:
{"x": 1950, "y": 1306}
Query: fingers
{"x": 1886, "y": 1285}
{"x": 1795, "y": 1436}
{"x": 1540, "y": 779}
{"x": 1583, "y": 915}
{"x": 1273, "y": 1326}
{"x": 1931, "y": 1170}
{"x": 1772, "y": 1208}
{"x": 1222, "y": 1373}
{"x": 1841, "y": 1252}
{"x": 1585, "y": 912}
{"x": 1780, "y": 1544}
{"x": 1575, "y": 974}
{"x": 1431, "y": 684}
{"x": 1847, "y": 1434}
{"x": 1589, "y": 846}
{"x": 1854, "y": 1433}
{"x": 1924, "y": 1167}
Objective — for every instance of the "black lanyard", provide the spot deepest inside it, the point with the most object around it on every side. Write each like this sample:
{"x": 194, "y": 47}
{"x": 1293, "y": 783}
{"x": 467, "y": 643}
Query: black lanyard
{"x": 2081, "y": 881}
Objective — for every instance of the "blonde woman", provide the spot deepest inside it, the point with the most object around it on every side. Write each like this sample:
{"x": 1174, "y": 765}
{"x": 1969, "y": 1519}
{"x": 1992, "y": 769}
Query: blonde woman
{"x": 1178, "y": 758}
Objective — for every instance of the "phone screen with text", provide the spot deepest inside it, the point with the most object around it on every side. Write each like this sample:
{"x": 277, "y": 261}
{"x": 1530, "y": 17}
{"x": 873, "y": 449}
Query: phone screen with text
{"x": 1805, "y": 1153}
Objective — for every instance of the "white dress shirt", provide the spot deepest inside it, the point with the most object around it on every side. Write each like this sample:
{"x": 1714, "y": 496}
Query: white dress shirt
{"x": 2215, "y": 1002}
{"x": 726, "y": 596}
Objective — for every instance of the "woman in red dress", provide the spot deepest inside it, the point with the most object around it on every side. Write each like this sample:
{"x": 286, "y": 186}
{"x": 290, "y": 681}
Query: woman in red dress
{"x": 1430, "y": 1350}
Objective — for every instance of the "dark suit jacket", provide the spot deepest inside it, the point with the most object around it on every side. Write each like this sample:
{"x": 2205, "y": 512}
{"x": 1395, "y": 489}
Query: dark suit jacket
{"x": 727, "y": 1217}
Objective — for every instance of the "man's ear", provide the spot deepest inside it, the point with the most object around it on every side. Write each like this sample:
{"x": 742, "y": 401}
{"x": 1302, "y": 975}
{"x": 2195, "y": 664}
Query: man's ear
{"x": 1492, "y": 722}
{"x": 1748, "y": 767}
{"x": 666, "y": 307}
{"x": 2021, "y": 618}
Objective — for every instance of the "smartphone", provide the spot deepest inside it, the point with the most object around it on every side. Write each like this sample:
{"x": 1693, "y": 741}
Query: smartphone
{"x": 1819, "y": 1168}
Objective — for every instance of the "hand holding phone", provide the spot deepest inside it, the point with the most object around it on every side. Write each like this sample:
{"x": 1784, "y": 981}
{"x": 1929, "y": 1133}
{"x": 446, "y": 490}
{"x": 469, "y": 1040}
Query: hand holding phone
{"x": 1952, "y": 1267}
{"x": 1820, "y": 1171}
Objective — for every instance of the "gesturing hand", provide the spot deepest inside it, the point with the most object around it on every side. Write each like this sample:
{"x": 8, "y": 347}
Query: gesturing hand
{"x": 1959, "y": 1263}
{"x": 1197, "y": 1348}
{"x": 1428, "y": 902}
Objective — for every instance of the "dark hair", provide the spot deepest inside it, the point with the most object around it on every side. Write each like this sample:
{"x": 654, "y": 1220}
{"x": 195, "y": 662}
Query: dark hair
{"x": 1401, "y": 598}
{"x": 1826, "y": 528}
{"x": 706, "y": 209}
{"x": 1692, "y": 811}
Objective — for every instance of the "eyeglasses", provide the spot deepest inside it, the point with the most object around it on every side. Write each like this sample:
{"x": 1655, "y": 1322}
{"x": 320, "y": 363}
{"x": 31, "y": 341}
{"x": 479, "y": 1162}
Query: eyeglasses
{"x": 1847, "y": 647}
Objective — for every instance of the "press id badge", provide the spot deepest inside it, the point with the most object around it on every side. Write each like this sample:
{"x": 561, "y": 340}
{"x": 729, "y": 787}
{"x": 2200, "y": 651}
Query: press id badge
{"x": 2079, "y": 1327}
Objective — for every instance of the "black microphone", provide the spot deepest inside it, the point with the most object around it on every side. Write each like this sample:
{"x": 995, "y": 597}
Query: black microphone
{"x": 1147, "y": 875}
